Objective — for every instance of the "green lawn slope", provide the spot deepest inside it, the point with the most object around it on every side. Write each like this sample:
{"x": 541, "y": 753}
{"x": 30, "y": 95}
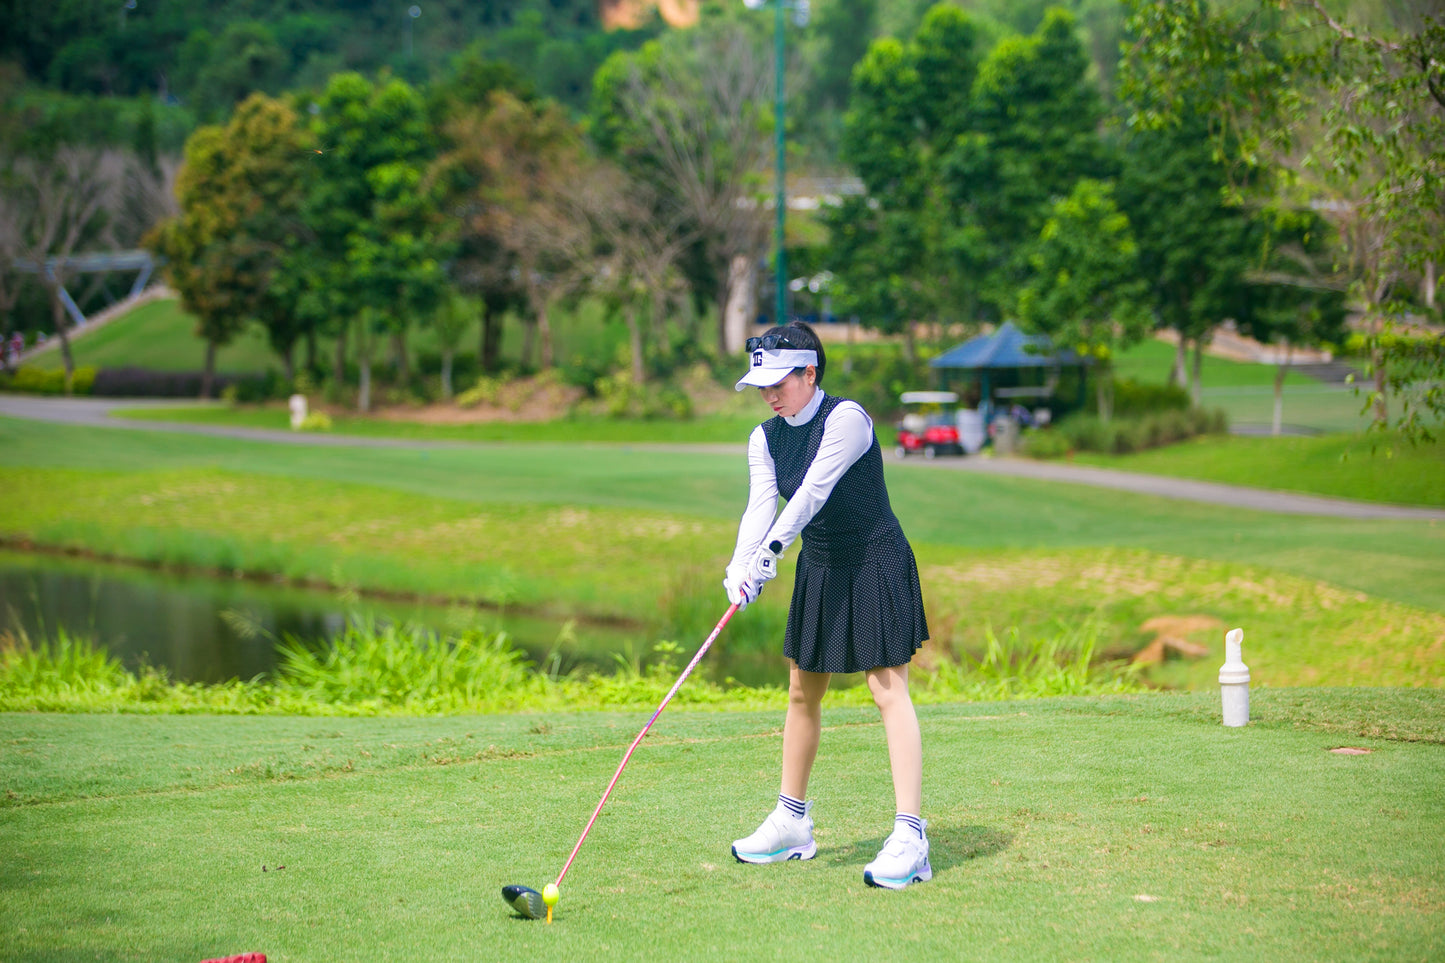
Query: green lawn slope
{"x": 162, "y": 337}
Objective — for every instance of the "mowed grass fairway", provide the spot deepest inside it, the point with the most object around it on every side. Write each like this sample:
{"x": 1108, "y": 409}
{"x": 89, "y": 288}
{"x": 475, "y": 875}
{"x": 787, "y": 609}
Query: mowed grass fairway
{"x": 642, "y": 534}
{"x": 1130, "y": 828}
{"x": 1374, "y": 468}
{"x": 1116, "y": 828}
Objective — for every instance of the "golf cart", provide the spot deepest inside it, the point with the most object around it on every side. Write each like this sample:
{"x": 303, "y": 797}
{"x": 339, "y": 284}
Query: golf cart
{"x": 928, "y": 424}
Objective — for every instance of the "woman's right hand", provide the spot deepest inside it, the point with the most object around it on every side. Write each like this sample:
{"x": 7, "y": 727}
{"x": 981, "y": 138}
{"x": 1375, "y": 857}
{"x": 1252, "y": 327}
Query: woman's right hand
{"x": 741, "y": 590}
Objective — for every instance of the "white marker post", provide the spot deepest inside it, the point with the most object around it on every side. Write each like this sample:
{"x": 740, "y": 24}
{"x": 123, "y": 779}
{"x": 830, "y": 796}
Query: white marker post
{"x": 1234, "y": 680}
{"x": 298, "y": 411}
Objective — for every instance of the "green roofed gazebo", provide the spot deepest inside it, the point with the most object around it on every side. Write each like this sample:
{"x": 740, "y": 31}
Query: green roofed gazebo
{"x": 1010, "y": 364}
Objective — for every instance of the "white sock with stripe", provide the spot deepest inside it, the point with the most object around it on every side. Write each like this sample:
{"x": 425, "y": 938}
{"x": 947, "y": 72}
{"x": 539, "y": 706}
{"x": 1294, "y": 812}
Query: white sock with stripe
{"x": 911, "y": 821}
{"x": 796, "y": 807}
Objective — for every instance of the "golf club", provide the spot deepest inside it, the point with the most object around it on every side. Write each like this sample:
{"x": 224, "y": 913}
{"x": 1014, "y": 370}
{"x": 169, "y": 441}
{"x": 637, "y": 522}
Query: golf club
{"x": 534, "y": 905}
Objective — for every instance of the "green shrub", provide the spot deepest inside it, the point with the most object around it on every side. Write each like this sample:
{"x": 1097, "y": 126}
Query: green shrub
{"x": 1121, "y": 436}
{"x": 42, "y": 381}
{"x": 621, "y": 397}
{"x": 1128, "y": 436}
{"x": 1132, "y": 399}
{"x": 1167, "y": 427}
{"x": 1044, "y": 443}
{"x": 616, "y": 392}
{"x": 487, "y": 390}
{"x": 1086, "y": 433}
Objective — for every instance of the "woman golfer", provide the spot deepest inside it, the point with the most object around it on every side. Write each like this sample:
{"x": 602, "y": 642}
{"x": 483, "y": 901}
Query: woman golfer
{"x": 856, "y": 602}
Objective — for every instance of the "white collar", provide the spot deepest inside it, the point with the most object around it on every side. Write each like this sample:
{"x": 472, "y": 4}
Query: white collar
{"x": 809, "y": 410}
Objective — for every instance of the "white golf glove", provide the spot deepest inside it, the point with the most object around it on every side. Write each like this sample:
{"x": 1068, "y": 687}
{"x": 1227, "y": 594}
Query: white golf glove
{"x": 741, "y": 590}
{"x": 765, "y": 563}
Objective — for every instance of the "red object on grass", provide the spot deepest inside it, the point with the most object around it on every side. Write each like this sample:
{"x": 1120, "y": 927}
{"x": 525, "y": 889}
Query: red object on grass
{"x": 239, "y": 958}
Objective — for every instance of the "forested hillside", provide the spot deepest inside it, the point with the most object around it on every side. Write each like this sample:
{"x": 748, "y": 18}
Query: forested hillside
{"x": 199, "y": 59}
{"x": 1093, "y": 169}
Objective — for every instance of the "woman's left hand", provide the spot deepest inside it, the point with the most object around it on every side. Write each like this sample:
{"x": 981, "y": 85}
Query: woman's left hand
{"x": 765, "y": 563}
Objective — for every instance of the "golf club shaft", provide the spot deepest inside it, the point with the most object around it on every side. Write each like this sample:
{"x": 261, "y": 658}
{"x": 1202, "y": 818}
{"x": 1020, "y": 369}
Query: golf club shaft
{"x": 702, "y": 650}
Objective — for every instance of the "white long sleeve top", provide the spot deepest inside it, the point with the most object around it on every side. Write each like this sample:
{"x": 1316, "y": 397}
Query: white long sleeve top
{"x": 847, "y": 435}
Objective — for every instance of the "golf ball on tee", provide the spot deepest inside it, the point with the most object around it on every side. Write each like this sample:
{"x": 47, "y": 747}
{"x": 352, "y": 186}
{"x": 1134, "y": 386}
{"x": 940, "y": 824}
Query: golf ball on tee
{"x": 550, "y": 895}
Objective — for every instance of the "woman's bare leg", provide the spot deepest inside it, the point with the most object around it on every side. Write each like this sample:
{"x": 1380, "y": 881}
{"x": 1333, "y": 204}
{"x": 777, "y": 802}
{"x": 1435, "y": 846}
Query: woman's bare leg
{"x": 900, "y": 725}
{"x": 802, "y": 728}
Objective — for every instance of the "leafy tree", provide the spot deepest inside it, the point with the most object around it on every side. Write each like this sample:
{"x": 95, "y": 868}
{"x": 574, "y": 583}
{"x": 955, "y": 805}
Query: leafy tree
{"x": 1033, "y": 132}
{"x": 559, "y": 50}
{"x": 1352, "y": 121}
{"x": 1085, "y": 289}
{"x": 844, "y": 28}
{"x": 470, "y": 84}
{"x": 896, "y": 252}
{"x": 1194, "y": 244}
{"x": 245, "y": 58}
{"x": 197, "y": 264}
{"x": 962, "y": 158}
{"x": 240, "y": 197}
{"x": 835, "y": 42}
{"x": 480, "y": 267}
{"x": 376, "y": 258}
{"x": 449, "y": 322}
{"x": 883, "y": 267}
{"x": 511, "y": 169}
{"x": 1293, "y": 297}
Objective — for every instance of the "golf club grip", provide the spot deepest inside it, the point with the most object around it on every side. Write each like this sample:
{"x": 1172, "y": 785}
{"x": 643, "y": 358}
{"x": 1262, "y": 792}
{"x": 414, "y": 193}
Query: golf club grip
{"x": 702, "y": 650}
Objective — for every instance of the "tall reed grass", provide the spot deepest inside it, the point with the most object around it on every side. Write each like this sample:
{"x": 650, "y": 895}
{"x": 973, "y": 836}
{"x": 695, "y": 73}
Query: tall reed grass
{"x": 412, "y": 670}
{"x": 375, "y": 669}
{"x": 1017, "y": 668}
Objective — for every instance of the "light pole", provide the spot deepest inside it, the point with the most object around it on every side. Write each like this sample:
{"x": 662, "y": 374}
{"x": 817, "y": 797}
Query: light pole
{"x": 780, "y": 201}
{"x": 412, "y": 13}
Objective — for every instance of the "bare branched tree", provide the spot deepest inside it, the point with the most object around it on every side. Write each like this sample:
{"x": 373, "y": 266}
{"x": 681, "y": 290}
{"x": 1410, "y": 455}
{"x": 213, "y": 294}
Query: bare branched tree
{"x": 518, "y": 169}
{"x": 702, "y": 115}
{"x": 147, "y": 196}
{"x": 638, "y": 246}
{"x": 59, "y": 203}
{"x": 10, "y": 274}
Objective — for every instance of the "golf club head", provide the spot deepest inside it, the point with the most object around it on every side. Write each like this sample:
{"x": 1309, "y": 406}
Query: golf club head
{"x": 525, "y": 900}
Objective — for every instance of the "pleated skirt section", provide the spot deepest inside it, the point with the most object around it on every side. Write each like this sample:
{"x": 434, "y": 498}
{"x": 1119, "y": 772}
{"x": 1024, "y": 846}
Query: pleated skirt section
{"x": 852, "y": 618}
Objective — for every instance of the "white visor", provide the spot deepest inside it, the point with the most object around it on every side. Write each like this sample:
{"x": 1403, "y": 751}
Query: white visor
{"x": 771, "y": 366}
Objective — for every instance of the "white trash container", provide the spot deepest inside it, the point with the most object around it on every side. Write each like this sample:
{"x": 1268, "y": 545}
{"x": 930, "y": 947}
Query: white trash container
{"x": 1234, "y": 680}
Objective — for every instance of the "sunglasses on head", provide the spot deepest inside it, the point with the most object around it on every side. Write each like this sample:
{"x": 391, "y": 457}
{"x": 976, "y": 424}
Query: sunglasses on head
{"x": 768, "y": 342}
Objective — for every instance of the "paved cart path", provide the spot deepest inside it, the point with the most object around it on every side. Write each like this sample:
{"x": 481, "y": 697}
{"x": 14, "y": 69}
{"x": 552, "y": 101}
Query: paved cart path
{"x": 96, "y": 412}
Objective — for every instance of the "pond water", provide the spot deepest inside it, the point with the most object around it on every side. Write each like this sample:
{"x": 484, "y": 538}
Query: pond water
{"x": 206, "y": 629}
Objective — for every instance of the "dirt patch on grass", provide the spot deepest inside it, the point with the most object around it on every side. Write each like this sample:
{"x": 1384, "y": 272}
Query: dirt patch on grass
{"x": 523, "y": 399}
{"x": 1172, "y": 637}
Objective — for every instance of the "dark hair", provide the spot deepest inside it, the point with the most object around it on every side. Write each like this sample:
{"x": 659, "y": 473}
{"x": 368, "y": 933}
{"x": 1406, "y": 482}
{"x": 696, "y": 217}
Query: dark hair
{"x": 804, "y": 338}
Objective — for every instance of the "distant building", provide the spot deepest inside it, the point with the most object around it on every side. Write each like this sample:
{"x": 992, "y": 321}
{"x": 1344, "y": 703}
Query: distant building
{"x": 630, "y": 14}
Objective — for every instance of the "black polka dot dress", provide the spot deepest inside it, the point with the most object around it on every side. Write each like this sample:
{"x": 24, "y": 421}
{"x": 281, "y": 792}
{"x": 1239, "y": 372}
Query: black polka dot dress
{"x": 857, "y": 602}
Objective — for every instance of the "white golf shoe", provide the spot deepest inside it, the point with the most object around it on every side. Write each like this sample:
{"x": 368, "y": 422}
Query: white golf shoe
{"x": 781, "y": 837}
{"x": 902, "y": 861}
